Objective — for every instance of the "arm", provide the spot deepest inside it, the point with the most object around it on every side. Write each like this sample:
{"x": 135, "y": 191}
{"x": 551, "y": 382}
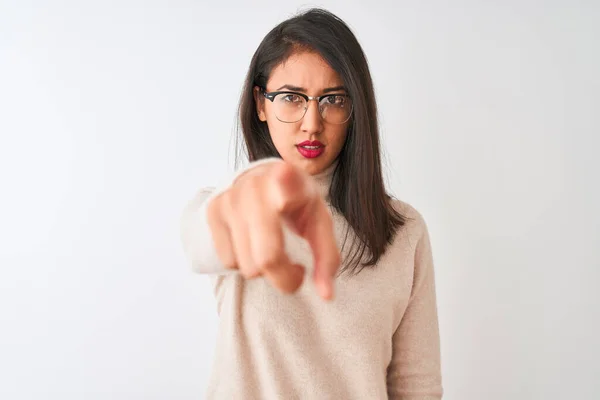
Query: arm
{"x": 195, "y": 232}
{"x": 414, "y": 372}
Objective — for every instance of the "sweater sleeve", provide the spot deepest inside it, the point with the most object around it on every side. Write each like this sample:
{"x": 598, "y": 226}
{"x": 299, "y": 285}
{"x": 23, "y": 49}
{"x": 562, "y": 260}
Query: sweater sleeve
{"x": 195, "y": 232}
{"x": 415, "y": 372}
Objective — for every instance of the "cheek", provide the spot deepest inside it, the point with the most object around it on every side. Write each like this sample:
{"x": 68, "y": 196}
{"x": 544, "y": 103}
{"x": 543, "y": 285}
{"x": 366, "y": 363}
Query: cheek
{"x": 337, "y": 138}
{"x": 282, "y": 134}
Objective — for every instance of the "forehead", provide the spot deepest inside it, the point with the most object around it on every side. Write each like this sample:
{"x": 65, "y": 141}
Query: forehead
{"x": 306, "y": 69}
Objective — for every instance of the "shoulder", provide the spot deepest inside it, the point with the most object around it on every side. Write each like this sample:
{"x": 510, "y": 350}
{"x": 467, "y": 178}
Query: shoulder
{"x": 205, "y": 192}
{"x": 414, "y": 227}
{"x": 199, "y": 199}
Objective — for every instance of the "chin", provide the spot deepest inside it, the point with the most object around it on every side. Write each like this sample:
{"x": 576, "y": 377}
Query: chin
{"x": 311, "y": 166}
{"x": 314, "y": 166}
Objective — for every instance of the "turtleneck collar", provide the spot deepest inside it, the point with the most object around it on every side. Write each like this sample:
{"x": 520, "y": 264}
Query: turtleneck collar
{"x": 324, "y": 178}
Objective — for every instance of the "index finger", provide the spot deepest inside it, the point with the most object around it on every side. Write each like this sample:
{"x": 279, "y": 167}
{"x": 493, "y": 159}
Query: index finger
{"x": 318, "y": 231}
{"x": 295, "y": 196}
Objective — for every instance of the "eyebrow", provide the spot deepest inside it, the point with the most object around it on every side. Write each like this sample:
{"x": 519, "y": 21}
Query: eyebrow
{"x": 301, "y": 89}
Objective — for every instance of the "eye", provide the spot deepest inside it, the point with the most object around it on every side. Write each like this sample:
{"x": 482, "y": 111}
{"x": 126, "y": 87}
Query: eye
{"x": 335, "y": 99}
{"x": 292, "y": 98}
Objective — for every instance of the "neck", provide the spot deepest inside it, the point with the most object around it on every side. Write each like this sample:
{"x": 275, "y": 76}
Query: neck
{"x": 323, "y": 179}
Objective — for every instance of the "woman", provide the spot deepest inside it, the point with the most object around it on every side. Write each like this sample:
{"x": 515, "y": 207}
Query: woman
{"x": 313, "y": 199}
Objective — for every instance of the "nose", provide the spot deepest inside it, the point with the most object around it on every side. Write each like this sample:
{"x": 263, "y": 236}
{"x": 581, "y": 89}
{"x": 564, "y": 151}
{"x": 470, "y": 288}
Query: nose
{"x": 312, "y": 121}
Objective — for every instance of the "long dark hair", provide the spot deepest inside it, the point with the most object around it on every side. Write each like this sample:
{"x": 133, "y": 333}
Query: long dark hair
{"x": 357, "y": 189}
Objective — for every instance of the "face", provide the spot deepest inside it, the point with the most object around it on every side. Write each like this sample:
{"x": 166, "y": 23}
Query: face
{"x": 313, "y": 142}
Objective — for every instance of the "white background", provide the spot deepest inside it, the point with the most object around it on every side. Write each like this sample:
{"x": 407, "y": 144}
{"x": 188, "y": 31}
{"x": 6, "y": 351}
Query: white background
{"x": 113, "y": 114}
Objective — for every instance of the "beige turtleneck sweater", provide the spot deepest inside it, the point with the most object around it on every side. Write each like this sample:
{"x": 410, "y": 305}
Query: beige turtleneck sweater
{"x": 377, "y": 339}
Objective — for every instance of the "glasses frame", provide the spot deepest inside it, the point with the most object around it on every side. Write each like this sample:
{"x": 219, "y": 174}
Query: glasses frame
{"x": 271, "y": 96}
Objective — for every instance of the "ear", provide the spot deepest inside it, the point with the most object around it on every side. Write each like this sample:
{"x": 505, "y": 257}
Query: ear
{"x": 259, "y": 99}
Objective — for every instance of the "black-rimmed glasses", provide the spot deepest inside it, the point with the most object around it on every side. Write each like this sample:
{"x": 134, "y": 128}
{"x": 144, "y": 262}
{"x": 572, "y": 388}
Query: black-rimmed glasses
{"x": 292, "y": 106}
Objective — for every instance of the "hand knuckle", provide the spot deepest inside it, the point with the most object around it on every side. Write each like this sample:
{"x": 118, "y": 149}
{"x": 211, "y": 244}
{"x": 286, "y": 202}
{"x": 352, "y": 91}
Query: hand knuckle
{"x": 269, "y": 261}
{"x": 248, "y": 273}
{"x": 229, "y": 262}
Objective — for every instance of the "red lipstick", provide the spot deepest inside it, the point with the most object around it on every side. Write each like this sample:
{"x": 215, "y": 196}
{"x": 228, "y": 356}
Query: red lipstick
{"x": 310, "y": 148}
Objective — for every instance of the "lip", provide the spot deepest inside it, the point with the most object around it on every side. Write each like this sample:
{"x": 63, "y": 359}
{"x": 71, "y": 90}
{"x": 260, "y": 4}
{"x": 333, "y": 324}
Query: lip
{"x": 311, "y": 153}
{"x": 311, "y": 143}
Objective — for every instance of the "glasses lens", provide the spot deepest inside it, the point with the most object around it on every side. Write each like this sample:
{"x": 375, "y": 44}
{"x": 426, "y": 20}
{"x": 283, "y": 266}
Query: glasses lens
{"x": 289, "y": 107}
{"x": 336, "y": 109}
